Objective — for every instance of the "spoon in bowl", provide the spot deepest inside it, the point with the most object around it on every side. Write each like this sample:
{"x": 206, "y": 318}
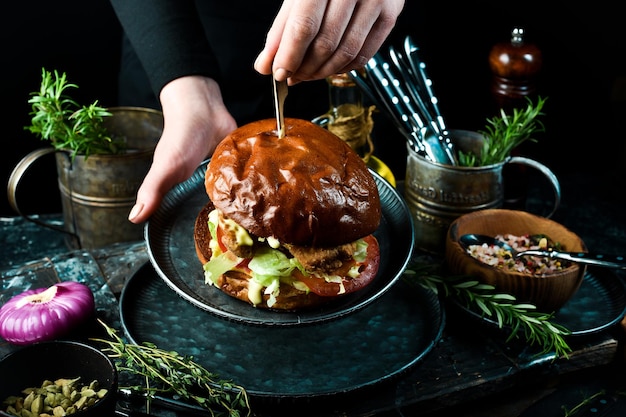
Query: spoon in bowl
{"x": 610, "y": 261}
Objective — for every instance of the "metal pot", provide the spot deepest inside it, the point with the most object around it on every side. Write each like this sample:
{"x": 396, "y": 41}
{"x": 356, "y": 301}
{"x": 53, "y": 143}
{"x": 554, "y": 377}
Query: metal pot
{"x": 98, "y": 191}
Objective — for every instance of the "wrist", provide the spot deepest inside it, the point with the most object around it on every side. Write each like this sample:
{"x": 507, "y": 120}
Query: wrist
{"x": 192, "y": 89}
{"x": 194, "y": 112}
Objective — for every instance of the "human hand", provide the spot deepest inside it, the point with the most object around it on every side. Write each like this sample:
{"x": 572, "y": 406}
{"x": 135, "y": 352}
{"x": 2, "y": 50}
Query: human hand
{"x": 196, "y": 120}
{"x": 312, "y": 39}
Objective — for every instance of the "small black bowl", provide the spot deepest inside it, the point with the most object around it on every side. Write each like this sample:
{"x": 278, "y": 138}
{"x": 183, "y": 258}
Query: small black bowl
{"x": 31, "y": 365}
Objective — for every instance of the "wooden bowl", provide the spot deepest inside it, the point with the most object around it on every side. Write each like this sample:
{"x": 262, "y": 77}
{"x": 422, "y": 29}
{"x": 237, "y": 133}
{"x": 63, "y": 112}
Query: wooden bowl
{"x": 549, "y": 292}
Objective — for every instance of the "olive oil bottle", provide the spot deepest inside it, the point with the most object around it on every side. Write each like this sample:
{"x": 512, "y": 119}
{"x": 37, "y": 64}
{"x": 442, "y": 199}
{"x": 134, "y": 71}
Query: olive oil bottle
{"x": 350, "y": 120}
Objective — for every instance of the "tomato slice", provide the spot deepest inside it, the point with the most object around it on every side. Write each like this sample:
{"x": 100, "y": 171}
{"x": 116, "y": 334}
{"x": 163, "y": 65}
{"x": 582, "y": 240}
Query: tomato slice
{"x": 368, "y": 269}
{"x": 220, "y": 234}
{"x": 244, "y": 265}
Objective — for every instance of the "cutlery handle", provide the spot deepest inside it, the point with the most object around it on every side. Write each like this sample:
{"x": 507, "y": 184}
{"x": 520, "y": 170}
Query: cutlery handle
{"x": 392, "y": 103}
{"x": 610, "y": 261}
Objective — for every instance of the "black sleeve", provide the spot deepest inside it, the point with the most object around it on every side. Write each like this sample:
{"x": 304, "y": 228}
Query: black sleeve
{"x": 168, "y": 38}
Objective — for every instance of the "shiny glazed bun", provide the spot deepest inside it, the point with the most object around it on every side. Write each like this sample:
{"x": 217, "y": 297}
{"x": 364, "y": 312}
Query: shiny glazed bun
{"x": 308, "y": 188}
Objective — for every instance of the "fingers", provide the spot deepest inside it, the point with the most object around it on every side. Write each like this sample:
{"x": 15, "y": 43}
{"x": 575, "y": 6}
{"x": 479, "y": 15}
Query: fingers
{"x": 175, "y": 159}
{"x": 339, "y": 41}
{"x": 295, "y": 18}
{"x": 154, "y": 187}
{"x": 312, "y": 39}
{"x": 195, "y": 121}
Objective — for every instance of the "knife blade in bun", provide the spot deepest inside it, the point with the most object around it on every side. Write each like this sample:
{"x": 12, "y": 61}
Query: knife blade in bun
{"x": 290, "y": 220}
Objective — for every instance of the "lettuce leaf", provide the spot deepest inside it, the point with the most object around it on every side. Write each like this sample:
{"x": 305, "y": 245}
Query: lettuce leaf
{"x": 217, "y": 266}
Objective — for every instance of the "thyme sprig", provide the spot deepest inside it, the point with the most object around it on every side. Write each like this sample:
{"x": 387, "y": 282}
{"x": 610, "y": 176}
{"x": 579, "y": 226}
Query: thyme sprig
{"x": 64, "y": 123}
{"x": 506, "y": 132}
{"x": 522, "y": 319}
{"x": 167, "y": 372}
{"x": 586, "y": 401}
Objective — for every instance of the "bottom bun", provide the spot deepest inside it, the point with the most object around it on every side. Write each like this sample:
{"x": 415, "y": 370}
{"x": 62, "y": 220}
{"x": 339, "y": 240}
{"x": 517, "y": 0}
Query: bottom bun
{"x": 236, "y": 283}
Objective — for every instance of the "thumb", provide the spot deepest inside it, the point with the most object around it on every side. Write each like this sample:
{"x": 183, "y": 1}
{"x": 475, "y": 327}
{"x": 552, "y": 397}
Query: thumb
{"x": 155, "y": 186}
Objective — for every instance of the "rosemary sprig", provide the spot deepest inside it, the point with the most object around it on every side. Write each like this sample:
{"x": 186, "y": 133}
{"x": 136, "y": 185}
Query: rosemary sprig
{"x": 67, "y": 125}
{"x": 506, "y": 132}
{"x": 169, "y": 372}
{"x": 522, "y": 319}
{"x": 583, "y": 403}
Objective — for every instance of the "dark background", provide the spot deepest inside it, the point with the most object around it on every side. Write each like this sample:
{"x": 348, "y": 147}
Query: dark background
{"x": 80, "y": 38}
{"x": 583, "y": 76}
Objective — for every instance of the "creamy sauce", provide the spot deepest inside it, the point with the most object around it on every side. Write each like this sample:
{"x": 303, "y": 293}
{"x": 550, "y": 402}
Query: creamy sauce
{"x": 242, "y": 236}
{"x": 255, "y": 292}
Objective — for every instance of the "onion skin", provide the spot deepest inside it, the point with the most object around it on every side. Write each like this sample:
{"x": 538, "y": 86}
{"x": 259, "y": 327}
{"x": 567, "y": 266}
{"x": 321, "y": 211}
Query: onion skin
{"x": 46, "y": 313}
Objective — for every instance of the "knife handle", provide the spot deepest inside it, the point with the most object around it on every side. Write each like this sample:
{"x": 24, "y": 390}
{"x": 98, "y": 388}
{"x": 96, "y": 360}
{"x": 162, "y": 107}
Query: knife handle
{"x": 610, "y": 261}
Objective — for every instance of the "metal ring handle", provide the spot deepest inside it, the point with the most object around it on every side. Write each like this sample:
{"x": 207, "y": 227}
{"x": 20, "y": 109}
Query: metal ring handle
{"x": 554, "y": 181}
{"x": 15, "y": 178}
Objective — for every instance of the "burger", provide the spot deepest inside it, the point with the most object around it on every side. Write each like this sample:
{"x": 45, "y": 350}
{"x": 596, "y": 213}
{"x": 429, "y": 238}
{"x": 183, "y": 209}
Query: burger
{"x": 290, "y": 220}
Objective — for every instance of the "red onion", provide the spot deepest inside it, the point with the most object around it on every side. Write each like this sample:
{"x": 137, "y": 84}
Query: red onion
{"x": 45, "y": 313}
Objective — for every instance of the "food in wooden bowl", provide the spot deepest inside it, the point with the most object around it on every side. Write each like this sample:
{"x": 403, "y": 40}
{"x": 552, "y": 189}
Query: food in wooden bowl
{"x": 546, "y": 283}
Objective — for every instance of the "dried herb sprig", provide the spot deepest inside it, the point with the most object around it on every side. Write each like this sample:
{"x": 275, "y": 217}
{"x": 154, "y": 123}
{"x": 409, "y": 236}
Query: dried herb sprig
{"x": 168, "y": 372}
{"x": 67, "y": 125}
{"x": 505, "y": 133}
{"x": 523, "y": 319}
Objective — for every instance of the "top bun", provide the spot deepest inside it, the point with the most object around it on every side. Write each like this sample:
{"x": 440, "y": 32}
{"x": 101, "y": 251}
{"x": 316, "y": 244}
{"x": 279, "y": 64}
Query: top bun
{"x": 308, "y": 188}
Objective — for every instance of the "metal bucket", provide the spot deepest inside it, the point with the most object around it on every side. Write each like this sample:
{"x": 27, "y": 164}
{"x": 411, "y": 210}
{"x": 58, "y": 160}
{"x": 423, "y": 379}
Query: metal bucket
{"x": 437, "y": 194}
{"x": 98, "y": 191}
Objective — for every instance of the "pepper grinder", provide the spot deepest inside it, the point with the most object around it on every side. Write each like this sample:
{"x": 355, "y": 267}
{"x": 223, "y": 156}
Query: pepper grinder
{"x": 515, "y": 66}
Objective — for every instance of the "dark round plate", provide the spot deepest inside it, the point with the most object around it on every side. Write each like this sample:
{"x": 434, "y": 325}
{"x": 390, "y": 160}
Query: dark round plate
{"x": 599, "y": 303}
{"x": 169, "y": 239}
{"x": 373, "y": 345}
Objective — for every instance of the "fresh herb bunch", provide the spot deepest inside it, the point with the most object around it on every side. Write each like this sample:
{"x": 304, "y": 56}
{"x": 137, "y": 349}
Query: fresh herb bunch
{"x": 506, "y": 132}
{"x": 167, "y": 372}
{"x": 523, "y": 319}
{"x": 68, "y": 126}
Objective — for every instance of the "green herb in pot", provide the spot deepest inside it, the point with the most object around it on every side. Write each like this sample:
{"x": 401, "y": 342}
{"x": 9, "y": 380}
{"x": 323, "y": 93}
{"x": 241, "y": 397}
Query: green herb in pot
{"x": 505, "y": 133}
{"x": 67, "y": 125}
